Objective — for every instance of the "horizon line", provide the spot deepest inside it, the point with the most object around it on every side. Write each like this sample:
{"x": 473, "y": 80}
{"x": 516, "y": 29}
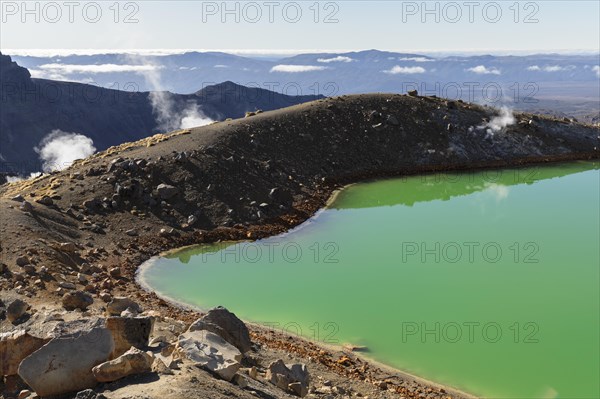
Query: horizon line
{"x": 58, "y": 52}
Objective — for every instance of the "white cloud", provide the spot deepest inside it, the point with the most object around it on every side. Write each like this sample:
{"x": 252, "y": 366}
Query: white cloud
{"x": 499, "y": 191}
{"x": 101, "y": 68}
{"x": 39, "y": 74}
{"x": 297, "y": 68}
{"x": 416, "y": 59}
{"x": 336, "y": 59}
{"x": 59, "y": 149}
{"x": 597, "y": 70}
{"x": 405, "y": 70}
{"x": 52, "y": 75}
{"x": 483, "y": 70}
{"x": 221, "y": 66}
{"x": 552, "y": 68}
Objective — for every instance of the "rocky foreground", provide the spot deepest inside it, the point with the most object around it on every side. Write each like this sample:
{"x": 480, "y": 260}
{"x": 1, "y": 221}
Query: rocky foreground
{"x": 75, "y": 323}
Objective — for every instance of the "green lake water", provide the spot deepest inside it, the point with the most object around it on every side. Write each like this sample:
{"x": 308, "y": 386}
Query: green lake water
{"x": 485, "y": 281}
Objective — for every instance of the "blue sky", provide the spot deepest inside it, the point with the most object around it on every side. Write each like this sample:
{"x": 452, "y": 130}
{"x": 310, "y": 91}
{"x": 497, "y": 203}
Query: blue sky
{"x": 284, "y": 26}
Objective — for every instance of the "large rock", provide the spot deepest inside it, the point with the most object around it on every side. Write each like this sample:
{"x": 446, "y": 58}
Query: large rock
{"x": 15, "y": 310}
{"x": 294, "y": 378}
{"x": 166, "y": 191}
{"x": 121, "y": 303}
{"x": 16, "y": 346}
{"x": 65, "y": 363}
{"x": 128, "y": 332}
{"x": 211, "y": 352}
{"x": 225, "y": 324}
{"x": 134, "y": 361}
{"x": 77, "y": 300}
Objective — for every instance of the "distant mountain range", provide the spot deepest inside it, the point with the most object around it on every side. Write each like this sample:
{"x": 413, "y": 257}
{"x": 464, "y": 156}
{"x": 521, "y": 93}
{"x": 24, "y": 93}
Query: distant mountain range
{"x": 33, "y": 108}
{"x": 542, "y": 76}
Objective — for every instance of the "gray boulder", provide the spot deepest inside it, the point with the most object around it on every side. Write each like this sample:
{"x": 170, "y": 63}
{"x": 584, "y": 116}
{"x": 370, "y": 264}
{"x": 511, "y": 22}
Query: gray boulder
{"x": 65, "y": 363}
{"x": 119, "y": 304}
{"x": 77, "y": 300}
{"x": 134, "y": 361}
{"x": 166, "y": 191}
{"x": 293, "y": 378}
{"x": 15, "y": 310}
{"x": 227, "y": 325}
{"x": 211, "y": 352}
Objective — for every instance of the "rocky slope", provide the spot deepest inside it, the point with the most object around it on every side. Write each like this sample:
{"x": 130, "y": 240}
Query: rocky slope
{"x": 32, "y": 108}
{"x": 77, "y": 236}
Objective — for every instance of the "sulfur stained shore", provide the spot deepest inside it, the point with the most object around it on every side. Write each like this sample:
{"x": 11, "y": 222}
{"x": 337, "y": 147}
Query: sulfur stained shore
{"x": 91, "y": 225}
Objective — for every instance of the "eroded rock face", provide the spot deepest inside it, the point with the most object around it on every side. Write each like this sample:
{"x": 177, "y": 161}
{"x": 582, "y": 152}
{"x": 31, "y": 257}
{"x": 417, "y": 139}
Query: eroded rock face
{"x": 129, "y": 332}
{"x": 65, "y": 363}
{"x": 134, "y": 361}
{"x": 293, "y": 378}
{"x": 16, "y": 346}
{"x": 227, "y": 325}
{"x": 211, "y": 352}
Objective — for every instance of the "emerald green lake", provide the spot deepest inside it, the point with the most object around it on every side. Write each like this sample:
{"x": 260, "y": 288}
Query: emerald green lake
{"x": 485, "y": 281}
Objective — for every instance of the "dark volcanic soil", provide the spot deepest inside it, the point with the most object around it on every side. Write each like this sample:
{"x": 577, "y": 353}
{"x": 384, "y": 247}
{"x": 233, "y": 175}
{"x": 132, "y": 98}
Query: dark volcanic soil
{"x": 250, "y": 178}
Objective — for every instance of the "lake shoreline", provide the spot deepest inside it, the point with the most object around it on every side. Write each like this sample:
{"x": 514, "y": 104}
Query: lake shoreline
{"x": 257, "y": 326}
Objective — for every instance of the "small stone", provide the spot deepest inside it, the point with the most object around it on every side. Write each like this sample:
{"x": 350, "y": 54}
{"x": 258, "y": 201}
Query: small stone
{"x": 298, "y": 388}
{"x": 77, "y": 300}
{"x": 66, "y": 285}
{"x": 240, "y": 381}
{"x": 15, "y": 310}
{"x": 115, "y": 272}
{"x": 45, "y": 200}
{"x": 105, "y": 297}
{"x": 22, "y": 261}
{"x": 165, "y": 232}
{"x": 67, "y": 247}
{"x": 26, "y": 206}
{"x": 24, "y": 394}
{"x": 131, "y": 232}
{"x": 29, "y": 269}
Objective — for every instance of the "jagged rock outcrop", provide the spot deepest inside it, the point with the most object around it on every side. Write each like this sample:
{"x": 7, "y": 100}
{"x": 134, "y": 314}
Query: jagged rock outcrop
{"x": 225, "y": 324}
{"x": 211, "y": 352}
{"x": 16, "y": 346}
{"x": 294, "y": 378}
